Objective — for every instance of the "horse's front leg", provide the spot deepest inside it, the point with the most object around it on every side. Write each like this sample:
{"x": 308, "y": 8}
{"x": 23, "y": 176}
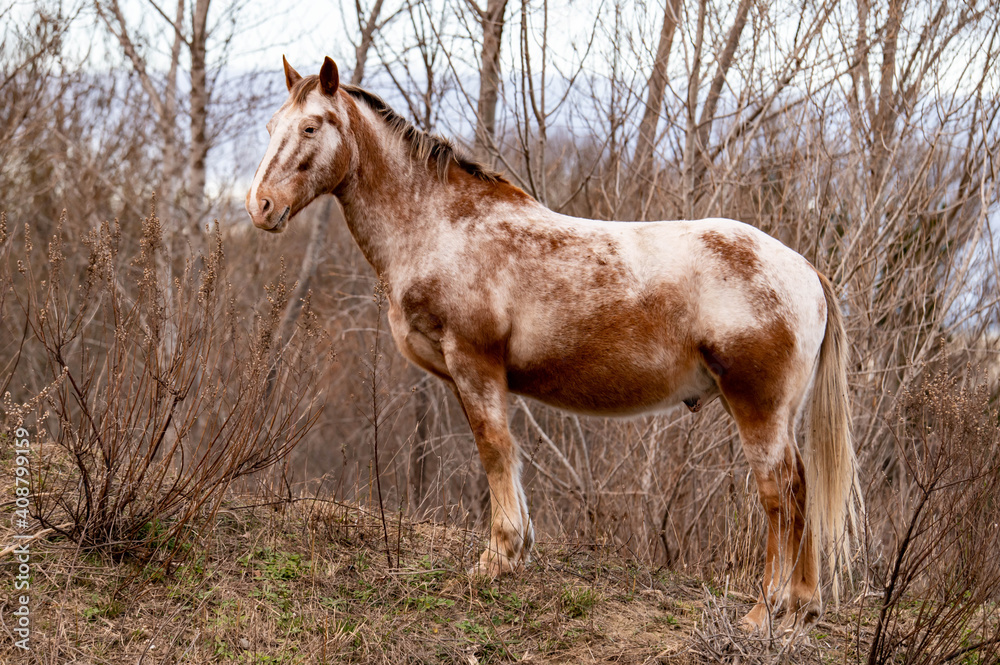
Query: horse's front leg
{"x": 481, "y": 387}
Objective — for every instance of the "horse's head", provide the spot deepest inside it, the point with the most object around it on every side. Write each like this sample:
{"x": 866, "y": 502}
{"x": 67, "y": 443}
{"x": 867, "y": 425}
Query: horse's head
{"x": 307, "y": 155}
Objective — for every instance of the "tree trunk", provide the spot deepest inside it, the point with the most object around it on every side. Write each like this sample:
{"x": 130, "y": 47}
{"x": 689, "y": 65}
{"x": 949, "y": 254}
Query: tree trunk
{"x": 164, "y": 102}
{"x": 166, "y": 123}
{"x": 643, "y": 158}
{"x": 199, "y": 116}
{"x": 690, "y": 135}
{"x": 492, "y": 21}
{"x": 310, "y": 261}
{"x": 703, "y": 133}
{"x": 364, "y": 45}
{"x": 884, "y": 122}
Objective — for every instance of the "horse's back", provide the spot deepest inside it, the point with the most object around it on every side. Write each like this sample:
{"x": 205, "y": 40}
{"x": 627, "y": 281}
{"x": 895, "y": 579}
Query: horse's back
{"x": 727, "y": 274}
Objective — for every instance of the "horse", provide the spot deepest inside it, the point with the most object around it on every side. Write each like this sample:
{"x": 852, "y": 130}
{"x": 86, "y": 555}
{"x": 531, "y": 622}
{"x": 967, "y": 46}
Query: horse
{"x": 494, "y": 293}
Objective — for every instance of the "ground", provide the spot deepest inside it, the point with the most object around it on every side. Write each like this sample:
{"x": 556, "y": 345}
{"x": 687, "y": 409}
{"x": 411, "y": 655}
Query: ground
{"x": 311, "y": 582}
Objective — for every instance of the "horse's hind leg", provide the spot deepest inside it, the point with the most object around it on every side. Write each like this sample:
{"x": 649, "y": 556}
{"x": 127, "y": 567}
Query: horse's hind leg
{"x": 763, "y": 374}
{"x": 791, "y": 575}
{"x": 481, "y": 386}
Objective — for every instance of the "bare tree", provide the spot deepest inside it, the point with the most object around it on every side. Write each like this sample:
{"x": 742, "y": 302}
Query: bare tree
{"x": 162, "y": 97}
{"x": 415, "y": 65}
{"x": 491, "y": 19}
{"x": 642, "y": 158}
{"x": 184, "y": 154}
{"x": 28, "y": 61}
{"x": 199, "y": 94}
{"x": 368, "y": 25}
{"x": 67, "y": 140}
{"x": 698, "y": 132}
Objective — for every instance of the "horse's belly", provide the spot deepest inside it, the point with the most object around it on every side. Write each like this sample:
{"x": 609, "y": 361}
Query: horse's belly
{"x": 611, "y": 388}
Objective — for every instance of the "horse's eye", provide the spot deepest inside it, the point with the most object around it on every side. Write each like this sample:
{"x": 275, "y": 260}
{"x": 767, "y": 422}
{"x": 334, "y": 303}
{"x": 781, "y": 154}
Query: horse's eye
{"x": 310, "y": 130}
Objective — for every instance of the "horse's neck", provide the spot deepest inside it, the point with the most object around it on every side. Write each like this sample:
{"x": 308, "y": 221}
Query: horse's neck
{"x": 386, "y": 200}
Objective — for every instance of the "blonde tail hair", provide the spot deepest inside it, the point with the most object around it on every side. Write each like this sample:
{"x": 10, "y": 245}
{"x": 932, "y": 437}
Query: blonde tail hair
{"x": 834, "y": 490}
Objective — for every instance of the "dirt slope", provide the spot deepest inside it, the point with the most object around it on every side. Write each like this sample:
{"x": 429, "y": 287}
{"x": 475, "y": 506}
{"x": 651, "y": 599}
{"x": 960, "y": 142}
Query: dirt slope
{"x": 312, "y": 584}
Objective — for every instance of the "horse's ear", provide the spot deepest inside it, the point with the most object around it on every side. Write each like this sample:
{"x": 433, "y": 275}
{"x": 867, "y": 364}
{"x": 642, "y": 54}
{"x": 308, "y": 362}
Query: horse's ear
{"x": 291, "y": 76}
{"x": 329, "y": 77}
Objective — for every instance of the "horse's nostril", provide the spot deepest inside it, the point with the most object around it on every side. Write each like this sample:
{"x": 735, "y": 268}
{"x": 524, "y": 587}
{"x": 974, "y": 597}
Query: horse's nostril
{"x": 266, "y": 207}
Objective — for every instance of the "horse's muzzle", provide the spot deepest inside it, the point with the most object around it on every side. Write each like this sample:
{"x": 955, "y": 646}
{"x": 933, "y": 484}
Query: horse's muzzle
{"x": 271, "y": 225}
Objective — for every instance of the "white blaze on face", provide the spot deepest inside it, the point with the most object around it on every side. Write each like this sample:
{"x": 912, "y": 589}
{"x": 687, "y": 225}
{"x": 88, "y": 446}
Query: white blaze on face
{"x": 279, "y": 128}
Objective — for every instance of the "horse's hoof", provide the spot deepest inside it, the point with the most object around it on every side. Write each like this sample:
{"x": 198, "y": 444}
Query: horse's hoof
{"x": 479, "y": 571}
{"x": 485, "y": 571}
{"x": 492, "y": 565}
{"x": 755, "y": 619}
{"x": 801, "y": 619}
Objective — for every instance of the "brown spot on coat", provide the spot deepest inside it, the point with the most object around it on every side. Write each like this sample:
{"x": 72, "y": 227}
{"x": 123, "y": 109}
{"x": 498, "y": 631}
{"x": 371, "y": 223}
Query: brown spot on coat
{"x": 736, "y": 251}
{"x": 600, "y": 364}
{"x": 470, "y": 195}
{"x": 532, "y": 240}
{"x": 421, "y": 305}
{"x": 751, "y": 369}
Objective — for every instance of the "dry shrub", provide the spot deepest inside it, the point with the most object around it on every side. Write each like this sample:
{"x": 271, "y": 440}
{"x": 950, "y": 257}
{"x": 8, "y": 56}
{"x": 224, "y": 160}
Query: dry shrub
{"x": 936, "y": 557}
{"x": 160, "y": 392}
{"x": 718, "y": 638}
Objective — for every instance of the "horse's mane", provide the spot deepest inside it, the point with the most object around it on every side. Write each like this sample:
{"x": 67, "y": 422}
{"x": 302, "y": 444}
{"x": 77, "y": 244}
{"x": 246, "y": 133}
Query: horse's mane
{"x": 424, "y": 146}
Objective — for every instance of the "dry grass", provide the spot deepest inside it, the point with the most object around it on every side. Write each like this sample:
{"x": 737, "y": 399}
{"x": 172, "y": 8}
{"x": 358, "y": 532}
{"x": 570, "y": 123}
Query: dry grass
{"x": 306, "y": 582}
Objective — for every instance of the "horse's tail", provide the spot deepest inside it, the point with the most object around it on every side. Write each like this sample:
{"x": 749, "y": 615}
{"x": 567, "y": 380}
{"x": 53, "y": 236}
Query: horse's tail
{"x": 834, "y": 492}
